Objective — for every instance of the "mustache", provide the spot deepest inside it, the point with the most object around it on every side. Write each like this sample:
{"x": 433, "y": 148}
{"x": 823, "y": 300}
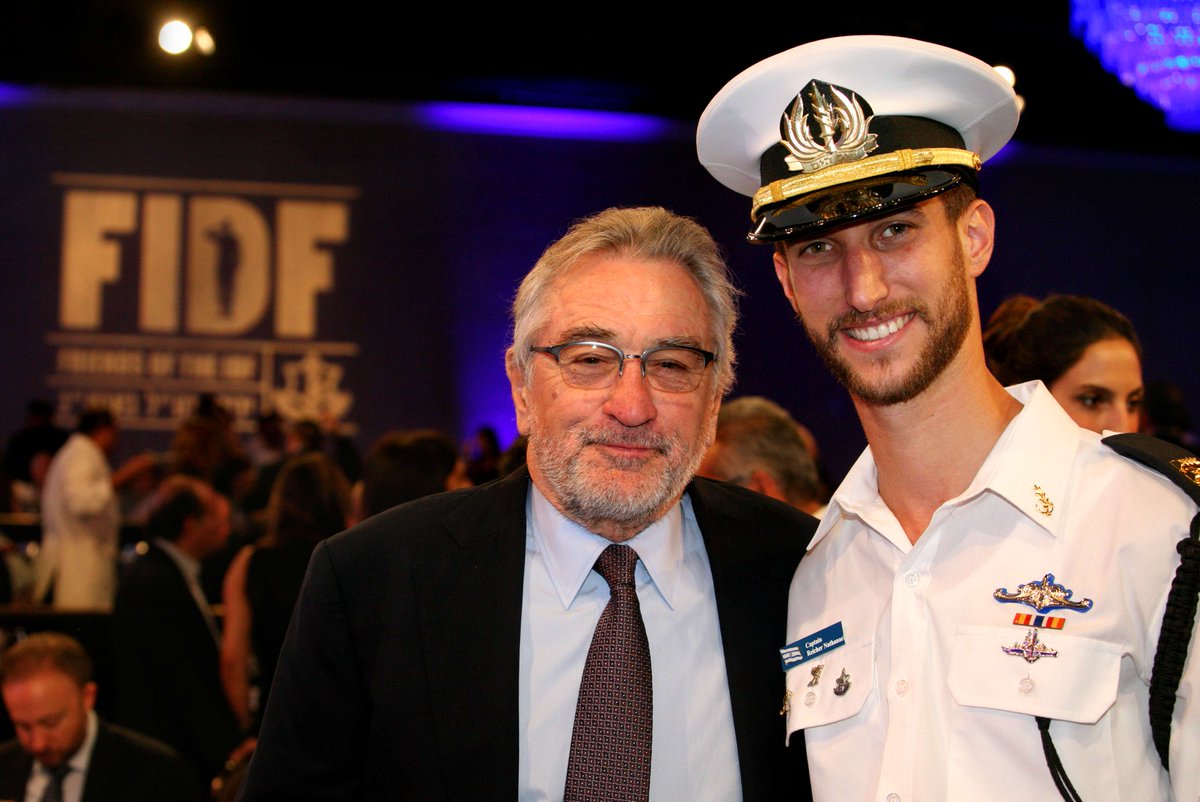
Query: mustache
{"x": 636, "y": 439}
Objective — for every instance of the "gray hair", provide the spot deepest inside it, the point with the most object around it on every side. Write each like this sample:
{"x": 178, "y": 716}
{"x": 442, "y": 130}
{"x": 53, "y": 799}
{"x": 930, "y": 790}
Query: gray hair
{"x": 756, "y": 433}
{"x": 647, "y": 233}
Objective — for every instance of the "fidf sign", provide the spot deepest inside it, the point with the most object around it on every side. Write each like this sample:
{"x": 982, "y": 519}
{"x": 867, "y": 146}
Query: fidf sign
{"x": 226, "y": 278}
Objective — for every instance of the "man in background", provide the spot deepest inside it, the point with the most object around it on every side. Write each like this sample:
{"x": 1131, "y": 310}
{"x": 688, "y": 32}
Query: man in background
{"x": 81, "y": 519}
{"x": 63, "y": 752}
{"x": 165, "y": 638}
{"x": 761, "y": 447}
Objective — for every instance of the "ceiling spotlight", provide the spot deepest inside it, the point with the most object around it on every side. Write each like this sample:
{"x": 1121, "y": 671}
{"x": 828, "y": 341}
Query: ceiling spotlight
{"x": 175, "y": 37}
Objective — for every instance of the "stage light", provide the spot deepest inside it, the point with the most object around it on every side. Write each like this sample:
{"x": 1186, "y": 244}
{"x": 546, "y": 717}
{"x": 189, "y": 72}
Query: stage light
{"x": 175, "y": 37}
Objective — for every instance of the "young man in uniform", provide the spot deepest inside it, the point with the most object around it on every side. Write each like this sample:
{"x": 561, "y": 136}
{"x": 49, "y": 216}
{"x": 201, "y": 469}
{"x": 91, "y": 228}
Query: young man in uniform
{"x": 986, "y": 565}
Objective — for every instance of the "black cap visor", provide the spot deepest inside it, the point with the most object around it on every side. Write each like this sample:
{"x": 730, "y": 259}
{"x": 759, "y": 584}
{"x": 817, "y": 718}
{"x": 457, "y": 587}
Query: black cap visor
{"x": 849, "y": 203}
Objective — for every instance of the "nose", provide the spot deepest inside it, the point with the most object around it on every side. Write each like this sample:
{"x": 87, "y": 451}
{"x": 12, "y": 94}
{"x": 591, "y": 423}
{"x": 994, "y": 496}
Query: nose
{"x": 629, "y": 399}
{"x": 864, "y": 278}
{"x": 1121, "y": 419}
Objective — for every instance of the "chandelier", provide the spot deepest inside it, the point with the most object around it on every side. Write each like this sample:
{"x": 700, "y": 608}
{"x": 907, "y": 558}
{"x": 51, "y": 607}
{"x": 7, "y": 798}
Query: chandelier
{"x": 1152, "y": 47}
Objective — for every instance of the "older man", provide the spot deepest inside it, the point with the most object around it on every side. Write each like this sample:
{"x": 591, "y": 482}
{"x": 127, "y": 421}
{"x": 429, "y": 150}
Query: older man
{"x": 979, "y": 614}
{"x": 463, "y": 647}
{"x": 63, "y": 752}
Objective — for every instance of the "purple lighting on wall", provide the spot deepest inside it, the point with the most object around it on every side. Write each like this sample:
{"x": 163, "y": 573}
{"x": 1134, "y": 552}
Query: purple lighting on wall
{"x": 1150, "y": 46}
{"x": 529, "y": 121}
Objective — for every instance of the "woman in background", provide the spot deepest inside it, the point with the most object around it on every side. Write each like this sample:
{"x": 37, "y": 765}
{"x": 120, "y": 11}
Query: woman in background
{"x": 1084, "y": 351}
{"x": 309, "y": 502}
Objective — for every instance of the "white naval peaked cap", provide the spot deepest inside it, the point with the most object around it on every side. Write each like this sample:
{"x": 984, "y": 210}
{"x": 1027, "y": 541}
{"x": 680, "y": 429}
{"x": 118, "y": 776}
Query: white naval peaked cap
{"x": 895, "y": 77}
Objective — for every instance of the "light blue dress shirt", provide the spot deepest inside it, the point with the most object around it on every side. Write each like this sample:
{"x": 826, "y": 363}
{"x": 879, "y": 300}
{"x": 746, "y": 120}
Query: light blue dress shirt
{"x": 694, "y": 753}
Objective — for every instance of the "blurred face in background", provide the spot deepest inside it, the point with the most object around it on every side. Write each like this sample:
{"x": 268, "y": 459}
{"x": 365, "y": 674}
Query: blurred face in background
{"x": 49, "y": 711}
{"x": 1103, "y": 390}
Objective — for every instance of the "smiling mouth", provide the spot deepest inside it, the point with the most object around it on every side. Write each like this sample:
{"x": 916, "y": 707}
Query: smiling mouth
{"x": 879, "y": 331}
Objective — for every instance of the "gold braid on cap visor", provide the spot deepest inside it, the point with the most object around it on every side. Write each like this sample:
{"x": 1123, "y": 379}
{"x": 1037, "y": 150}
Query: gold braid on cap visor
{"x": 898, "y": 161}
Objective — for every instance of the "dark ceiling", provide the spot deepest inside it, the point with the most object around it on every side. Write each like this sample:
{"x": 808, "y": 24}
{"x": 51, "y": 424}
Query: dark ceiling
{"x": 607, "y": 56}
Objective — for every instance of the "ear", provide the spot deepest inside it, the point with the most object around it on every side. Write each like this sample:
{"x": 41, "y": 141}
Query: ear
{"x": 760, "y": 481}
{"x": 89, "y": 696}
{"x": 516, "y": 381}
{"x": 783, "y": 272}
{"x": 977, "y": 227}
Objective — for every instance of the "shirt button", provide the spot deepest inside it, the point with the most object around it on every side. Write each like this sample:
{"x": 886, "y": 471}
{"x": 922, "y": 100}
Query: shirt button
{"x": 893, "y": 798}
{"x": 912, "y": 579}
{"x": 1025, "y": 685}
{"x": 809, "y": 699}
{"x": 901, "y": 687}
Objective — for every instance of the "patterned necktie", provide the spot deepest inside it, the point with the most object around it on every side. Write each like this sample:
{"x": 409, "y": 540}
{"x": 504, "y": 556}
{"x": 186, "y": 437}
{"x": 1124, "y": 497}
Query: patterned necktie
{"x": 610, "y": 745}
{"x": 54, "y": 788}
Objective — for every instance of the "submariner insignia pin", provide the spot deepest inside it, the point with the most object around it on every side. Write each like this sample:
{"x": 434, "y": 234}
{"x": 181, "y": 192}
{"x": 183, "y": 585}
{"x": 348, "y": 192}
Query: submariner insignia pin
{"x": 1043, "y": 596}
{"x": 1031, "y": 649}
{"x": 1044, "y": 505}
{"x": 843, "y": 684}
{"x": 816, "y": 675}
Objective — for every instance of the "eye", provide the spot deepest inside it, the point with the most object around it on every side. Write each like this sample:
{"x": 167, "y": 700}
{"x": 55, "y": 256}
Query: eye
{"x": 1091, "y": 400}
{"x": 814, "y": 248}
{"x": 895, "y": 229}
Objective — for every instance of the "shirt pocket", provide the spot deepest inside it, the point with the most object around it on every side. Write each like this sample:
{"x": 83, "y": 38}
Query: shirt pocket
{"x": 846, "y": 681}
{"x": 1077, "y": 683}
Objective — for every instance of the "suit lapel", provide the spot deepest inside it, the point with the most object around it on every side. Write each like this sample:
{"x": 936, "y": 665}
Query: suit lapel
{"x": 751, "y": 597}
{"x": 470, "y": 618}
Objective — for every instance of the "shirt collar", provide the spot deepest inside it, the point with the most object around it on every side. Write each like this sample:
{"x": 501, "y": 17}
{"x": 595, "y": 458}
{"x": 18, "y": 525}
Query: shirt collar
{"x": 1029, "y": 466}
{"x": 188, "y": 565}
{"x": 82, "y": 758}
{"x": 569, "y": 550}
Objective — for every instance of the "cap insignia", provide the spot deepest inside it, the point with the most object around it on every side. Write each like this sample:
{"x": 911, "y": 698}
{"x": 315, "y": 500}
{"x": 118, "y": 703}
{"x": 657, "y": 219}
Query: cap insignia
{"x": 825, "y": 125}
{"x": 1189, "y": 467}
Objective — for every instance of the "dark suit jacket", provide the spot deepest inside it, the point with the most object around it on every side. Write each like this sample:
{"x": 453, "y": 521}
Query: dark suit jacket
{"x": 399, "y": 676}
{"x": 125, "y": 767}
{"x": 168, "y": 667}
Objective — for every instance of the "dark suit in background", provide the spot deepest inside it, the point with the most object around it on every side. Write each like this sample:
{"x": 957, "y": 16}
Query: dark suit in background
{"x": 399, "y": 678}
{"x": 168, "y": 674}
{"x": 125, "y": 767}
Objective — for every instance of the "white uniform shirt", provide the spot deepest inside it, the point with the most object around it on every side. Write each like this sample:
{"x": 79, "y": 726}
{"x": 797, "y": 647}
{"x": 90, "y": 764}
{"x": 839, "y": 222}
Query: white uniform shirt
{"x": 931, "y": 707}
{"x": 81, "y": 523}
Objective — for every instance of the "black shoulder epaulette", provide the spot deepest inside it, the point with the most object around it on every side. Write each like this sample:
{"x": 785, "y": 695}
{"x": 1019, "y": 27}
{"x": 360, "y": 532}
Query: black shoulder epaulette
{"x": 1183, "y": 468}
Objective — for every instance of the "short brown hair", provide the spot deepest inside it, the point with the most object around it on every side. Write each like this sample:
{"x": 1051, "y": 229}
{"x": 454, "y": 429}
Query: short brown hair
{"x": 44, "y": 650}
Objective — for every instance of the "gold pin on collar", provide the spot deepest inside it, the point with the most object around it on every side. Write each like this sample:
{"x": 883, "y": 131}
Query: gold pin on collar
{"x": 787, "y": 703}
{"x": 1044, "y": 505}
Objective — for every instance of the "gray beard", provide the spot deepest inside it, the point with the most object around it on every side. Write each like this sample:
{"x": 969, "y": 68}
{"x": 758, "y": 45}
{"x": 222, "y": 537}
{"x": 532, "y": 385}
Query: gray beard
{"x": 592, "y": 502}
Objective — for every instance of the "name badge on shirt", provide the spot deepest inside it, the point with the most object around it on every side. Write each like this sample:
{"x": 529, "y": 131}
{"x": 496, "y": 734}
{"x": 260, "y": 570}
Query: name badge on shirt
{"x": 811, "y": 646}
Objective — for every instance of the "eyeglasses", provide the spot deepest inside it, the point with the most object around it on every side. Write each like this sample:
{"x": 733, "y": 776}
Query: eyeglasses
{"x": 596, "y": 366}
